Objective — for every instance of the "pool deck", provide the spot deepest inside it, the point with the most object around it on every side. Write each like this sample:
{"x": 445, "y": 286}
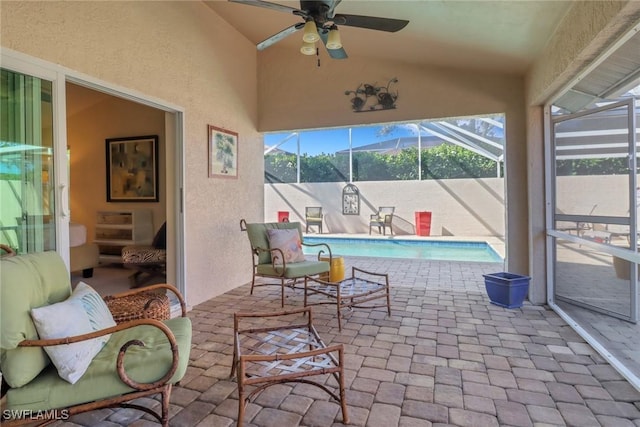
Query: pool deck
{"x": 445, "y": 357}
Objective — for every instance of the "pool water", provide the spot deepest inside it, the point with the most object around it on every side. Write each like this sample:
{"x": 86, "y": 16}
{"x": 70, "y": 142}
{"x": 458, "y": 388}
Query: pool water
{"x": 398, "y": 248}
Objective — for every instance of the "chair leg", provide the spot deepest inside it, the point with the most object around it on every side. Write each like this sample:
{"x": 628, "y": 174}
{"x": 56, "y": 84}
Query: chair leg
{"x": 343, "y": 399}
{"x": 165, "y": 396}
{"x": 253, "y": 282}
{"x": 282, "y": 294}
{"x": 241, "y": 402}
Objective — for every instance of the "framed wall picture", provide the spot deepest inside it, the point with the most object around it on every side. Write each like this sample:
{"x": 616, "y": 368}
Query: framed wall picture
{"x": 223, "y": 153}
{"x": 132, "y": 169}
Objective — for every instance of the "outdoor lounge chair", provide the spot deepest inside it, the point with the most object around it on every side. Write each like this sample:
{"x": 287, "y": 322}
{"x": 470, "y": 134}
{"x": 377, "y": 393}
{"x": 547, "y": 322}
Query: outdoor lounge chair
{"x": 278, "y": 261}
{"x": 52, "y": 366}
{"x": 382, "y": 219}
{"x": 313, "y": 216}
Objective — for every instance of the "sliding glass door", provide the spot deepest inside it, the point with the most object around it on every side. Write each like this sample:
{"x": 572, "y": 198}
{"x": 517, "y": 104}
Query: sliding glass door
{"x": 32, "y": 176}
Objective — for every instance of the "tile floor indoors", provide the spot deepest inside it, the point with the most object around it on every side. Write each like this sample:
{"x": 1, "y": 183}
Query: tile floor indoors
{"x": 446, "y": 356}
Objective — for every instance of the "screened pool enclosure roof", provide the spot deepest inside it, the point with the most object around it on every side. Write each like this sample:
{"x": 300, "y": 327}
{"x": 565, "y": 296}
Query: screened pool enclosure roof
{"x": 481, "y": 135}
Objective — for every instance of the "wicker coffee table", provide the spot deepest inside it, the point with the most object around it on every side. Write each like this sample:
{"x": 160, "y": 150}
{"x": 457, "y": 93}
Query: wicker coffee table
{"x": 353, "y": 292}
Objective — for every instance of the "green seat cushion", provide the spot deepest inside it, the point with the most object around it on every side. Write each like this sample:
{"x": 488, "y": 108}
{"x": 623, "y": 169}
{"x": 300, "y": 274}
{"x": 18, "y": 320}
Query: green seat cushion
{"x": 27, "y": 281}
{"x": 143, "y": 364}
{"x": 295, "y": 269}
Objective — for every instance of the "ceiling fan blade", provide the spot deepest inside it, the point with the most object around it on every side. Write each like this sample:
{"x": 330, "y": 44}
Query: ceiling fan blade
{"x": 279, "y": 36}
{"x": 371, "y": 22}
{"x": 267, "y": 5}
{"x": 332, "y": 8}
{"x": 333, "y": 53}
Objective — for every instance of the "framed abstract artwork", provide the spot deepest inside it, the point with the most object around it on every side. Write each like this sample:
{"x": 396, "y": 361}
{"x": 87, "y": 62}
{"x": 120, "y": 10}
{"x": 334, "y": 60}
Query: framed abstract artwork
{"x": 132, "y": 169}
{"x": 223, "y": 153}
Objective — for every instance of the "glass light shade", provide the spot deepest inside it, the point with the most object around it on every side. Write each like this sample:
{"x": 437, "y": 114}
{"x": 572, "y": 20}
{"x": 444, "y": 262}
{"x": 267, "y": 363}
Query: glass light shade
{"x": 310, "y": 32}
{"x": 333, "y": 42}
{"x": 308, "y": 48}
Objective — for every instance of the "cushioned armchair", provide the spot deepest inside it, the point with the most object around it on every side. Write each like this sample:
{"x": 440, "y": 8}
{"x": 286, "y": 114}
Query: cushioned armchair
{"x": 61, "y": 352}
{"x": 313, "y": 216}
{"x": 382, "y": 219}
{"x": 276, "y": 251}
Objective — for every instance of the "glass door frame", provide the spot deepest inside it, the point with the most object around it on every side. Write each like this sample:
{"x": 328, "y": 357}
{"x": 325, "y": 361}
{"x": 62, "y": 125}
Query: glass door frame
{"x": 61, "y": 172}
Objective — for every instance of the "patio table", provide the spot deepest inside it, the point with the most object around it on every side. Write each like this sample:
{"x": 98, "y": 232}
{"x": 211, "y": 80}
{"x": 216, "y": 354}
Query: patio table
{"x": 353, "y": 292}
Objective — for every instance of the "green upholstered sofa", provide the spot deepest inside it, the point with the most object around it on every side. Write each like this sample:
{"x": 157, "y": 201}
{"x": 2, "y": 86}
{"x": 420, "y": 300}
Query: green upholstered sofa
{"x": 141, "y": 358}
{"x": 286, "y": 273}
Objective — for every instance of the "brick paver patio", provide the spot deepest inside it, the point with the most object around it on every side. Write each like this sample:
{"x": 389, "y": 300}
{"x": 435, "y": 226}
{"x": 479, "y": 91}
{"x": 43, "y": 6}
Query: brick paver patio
{"x": 446, "y": 356}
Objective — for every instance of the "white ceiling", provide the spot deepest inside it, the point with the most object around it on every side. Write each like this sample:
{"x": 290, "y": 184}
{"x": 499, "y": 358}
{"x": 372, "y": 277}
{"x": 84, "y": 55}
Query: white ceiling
{"x": 504, "y": 36}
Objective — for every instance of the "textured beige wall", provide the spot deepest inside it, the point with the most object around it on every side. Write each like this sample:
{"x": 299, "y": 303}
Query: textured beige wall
{"x": 181, "y": 52}
{"x": 316, "y": 95}
{"x": 588, "y": 28}
{"x": 460, "y": 207}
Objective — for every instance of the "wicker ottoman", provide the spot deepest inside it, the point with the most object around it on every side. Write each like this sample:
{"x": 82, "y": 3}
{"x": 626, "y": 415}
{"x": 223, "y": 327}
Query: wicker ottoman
{"x": 143, "y": 305}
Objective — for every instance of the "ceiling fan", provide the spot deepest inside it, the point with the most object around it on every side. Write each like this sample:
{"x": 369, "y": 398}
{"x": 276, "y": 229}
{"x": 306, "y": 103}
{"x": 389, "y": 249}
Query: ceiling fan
{"x": 321, "y": 23}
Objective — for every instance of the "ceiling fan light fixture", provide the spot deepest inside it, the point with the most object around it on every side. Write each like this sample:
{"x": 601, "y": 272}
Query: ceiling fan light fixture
{"x": 308, "y": 48}
{"x": 333, "y": 41}
{"x": 310, "y": 32}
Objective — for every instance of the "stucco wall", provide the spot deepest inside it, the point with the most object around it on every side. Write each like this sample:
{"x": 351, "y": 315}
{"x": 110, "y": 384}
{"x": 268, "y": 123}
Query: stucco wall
{"x": 459, "y": 207}
{"x": 588, "y": 28}
{"x": 183, "y": 53}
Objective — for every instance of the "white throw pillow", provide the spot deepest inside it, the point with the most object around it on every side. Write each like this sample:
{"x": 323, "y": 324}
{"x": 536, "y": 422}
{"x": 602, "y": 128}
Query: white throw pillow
{"x": 287, "y": 240}
{"x": 83, "y": 312}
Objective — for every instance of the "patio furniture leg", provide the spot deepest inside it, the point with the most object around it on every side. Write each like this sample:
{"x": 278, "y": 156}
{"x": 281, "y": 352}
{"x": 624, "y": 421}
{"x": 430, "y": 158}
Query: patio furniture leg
{"x": 343, "y": 399}
{"x": 388, "y": 297}
{"x": 241, "y": 401}
{"x": 282, "y": 294}
{"x": 165, "y": 405}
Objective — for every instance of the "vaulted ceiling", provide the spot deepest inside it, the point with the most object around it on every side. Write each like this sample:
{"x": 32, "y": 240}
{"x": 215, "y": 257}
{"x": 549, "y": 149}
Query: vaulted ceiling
{"x": 504, "y": 36}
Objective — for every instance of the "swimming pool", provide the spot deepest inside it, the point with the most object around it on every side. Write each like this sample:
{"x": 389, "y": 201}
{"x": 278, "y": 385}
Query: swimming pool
{"x": 398, "y": 248}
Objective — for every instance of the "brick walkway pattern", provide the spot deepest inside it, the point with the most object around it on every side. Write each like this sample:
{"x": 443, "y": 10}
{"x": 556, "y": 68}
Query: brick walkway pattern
{"x": 445, "y": 357}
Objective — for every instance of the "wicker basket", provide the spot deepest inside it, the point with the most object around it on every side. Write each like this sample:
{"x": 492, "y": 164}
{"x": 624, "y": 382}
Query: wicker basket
{"x": 143, "y": 305}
